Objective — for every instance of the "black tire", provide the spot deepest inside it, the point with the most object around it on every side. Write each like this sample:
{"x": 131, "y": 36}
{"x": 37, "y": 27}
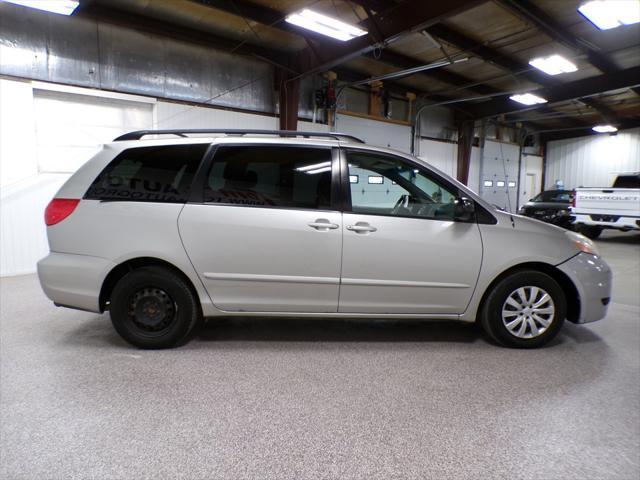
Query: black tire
{"x": 152, "y": 307}
{"x": 590, "y": 231}
{"x": 491, "y": 312}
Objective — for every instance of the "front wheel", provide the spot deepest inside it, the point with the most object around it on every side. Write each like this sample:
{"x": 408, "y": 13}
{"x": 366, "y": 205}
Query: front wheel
{"x": 524, "y": 310}
{"x": 152, "y": 307}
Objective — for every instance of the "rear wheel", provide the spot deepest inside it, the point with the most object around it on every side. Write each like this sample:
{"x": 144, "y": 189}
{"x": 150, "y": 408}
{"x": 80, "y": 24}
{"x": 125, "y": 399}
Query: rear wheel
{"x": 152, "y": 307}
{"x": 590, "y": 231}
{"x": 524, "y": 310}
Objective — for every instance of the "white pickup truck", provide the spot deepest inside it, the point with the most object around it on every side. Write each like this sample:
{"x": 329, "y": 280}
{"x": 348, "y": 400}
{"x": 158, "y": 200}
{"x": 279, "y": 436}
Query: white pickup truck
{"x": 617, "y": 207}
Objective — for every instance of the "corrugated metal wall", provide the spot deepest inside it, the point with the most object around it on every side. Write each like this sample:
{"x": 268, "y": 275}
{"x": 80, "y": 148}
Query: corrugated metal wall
{"x": 592, "y": 161}
{"x": 79, "y": 51}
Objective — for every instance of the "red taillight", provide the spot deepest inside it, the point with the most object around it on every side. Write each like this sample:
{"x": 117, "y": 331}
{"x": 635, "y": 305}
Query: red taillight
{"x": 59, "y": 209}
{"x": 573, "y": 199}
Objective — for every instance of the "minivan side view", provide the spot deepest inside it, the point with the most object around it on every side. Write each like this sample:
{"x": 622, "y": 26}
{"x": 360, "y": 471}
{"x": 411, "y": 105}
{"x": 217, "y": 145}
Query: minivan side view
{"x": 164, "y": 231}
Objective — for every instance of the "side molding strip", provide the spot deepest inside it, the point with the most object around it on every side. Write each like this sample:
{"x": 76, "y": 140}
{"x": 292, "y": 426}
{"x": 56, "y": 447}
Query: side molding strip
{"x": 399, "y": 283}
{"x": 242, "y": 277}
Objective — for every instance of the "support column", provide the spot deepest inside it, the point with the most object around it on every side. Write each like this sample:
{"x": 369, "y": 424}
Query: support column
{"x": 411, "y": 98}
{"x": 289, "y": 93}
{"x": 465, "y": 142}
{"x": 374, "y": 99}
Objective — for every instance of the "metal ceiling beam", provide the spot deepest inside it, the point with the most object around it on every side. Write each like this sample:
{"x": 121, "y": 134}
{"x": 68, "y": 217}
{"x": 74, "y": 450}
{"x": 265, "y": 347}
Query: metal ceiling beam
{"x": 559, "y": 33}
{"x": 403, "y": 18}
{"x": 489, "y": 55}
{"x": 89, "y": 9}
{"x": 576, "y": 90}
{"x": 444, "y": 76}
{"x": 526, "y": 10}
{"x": 260, "y": 14}
{"x": 273, "y": 18}
{"x": 562, "y": 134}
{"x": 504, "y": 62}
{"x": 377, "y": 6}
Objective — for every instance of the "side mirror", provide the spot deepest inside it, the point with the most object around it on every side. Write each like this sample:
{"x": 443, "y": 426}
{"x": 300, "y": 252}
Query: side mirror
{"x": 464, "y": 209}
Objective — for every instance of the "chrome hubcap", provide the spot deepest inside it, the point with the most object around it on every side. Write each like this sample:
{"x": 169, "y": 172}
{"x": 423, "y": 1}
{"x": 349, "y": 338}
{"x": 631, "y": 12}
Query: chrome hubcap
{"x": 528, "y": 312}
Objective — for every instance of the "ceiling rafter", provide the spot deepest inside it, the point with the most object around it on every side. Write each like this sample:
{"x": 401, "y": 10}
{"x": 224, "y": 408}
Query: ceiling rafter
{"x": 498, "y": 59}
{"x": 401, "y": 19}
{"x": 542, "y": 21}
{"x": 276, "y": 57}
{"x": 578, "y": 89}
{"x": 273, "y": 18}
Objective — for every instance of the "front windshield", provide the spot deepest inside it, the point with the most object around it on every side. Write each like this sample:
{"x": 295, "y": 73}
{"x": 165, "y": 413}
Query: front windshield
{"x": 554, "y": 196}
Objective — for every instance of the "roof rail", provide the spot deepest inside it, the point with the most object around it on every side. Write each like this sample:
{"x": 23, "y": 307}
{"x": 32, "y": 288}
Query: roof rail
{"x": 240, "y": 132}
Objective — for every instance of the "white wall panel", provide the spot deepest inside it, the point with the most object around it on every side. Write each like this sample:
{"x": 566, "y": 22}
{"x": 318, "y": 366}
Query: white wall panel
{"x": 175, "y": 115}
{"x": 592, "y": 161}
{"x": 17, "y": 135}
{"x": 23, "y": 239}
{"x": 374, "y": 132}
{"x": 442, "y": 155}
{"x": 530, "y": 177}
{"x": 44, "y": 131}
{"x": 71, "y": 128}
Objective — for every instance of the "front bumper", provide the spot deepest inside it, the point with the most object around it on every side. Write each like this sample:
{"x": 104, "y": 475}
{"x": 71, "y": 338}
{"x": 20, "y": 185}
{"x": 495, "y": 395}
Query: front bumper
{"x": 592, "y": 277}
{"x": 73, "y": 280}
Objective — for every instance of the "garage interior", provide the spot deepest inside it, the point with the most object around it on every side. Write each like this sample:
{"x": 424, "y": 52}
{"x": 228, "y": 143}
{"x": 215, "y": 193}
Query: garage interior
{"x": 319, "y": 398}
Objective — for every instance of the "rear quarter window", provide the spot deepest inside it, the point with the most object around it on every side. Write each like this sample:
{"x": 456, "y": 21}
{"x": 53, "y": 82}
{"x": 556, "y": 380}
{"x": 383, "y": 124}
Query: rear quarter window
{"x": 627, "y": 181}
{"x": 149, "y": 174}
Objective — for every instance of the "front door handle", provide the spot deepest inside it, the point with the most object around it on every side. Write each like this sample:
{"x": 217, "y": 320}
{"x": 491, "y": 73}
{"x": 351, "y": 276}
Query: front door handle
{"x": 323, "y": 225}
{"x": 361, "y": 227}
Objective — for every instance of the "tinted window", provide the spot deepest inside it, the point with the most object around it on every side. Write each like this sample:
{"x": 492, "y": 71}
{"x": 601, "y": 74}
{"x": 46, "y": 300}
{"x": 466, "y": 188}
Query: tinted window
{"x": 265, "y": 176}
{"x": 557, "y": 196}
{"x": 627, "y": 181}
{"x": 149, "y": 174}
{"x": 391, "y": 186}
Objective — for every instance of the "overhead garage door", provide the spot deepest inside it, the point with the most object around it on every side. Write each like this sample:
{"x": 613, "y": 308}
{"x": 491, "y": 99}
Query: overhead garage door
{"x": 70, "y": 128}
{"x": 499, "y": 174}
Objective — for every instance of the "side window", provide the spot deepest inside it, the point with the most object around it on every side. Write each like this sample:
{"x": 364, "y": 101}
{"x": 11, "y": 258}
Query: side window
{"x": 149, "y": 174}
{"x": 270, "y": 176}
{"x": 389, "y": 185}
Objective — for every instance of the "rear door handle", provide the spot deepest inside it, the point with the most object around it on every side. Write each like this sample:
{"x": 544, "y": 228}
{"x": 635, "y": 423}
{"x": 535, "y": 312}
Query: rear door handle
{"x": 323, "y": 224}
{"x": 361, "y": 227}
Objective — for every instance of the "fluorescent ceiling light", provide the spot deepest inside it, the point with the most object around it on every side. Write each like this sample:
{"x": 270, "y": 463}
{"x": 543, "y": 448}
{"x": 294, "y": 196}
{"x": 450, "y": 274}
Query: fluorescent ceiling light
{"x": 553, "y": 65}
{"x": 527, "y": 99}
{"x": 606, "y": 14}
{"x": 605, "y": 129}
{"x": 63, "y": 7}
{"x": 329, "y": 26}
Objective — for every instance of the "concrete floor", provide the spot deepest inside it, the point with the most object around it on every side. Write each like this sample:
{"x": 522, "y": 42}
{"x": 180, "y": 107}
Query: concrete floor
{"x": 269, "y": 399}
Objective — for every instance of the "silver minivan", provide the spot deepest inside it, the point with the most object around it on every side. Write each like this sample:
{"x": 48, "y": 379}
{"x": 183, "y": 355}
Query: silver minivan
{"x": 165, "y": 230}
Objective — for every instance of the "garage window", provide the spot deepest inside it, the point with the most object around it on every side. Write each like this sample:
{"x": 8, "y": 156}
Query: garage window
{"x": 152, "y": 174}
{"x": 270, "y": 176}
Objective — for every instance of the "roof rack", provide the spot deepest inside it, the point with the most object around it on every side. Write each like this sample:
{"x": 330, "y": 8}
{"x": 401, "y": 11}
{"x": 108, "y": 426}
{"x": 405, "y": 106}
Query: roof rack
{"x": 239, "y": 132}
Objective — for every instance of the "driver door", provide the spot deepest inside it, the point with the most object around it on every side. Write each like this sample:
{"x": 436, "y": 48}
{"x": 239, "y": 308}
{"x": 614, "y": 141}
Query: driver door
{"x": 403, "y": 251}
